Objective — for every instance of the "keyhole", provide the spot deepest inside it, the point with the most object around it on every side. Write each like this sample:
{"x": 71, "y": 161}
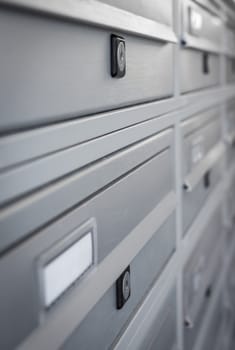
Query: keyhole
{"x": 205, "y": 63}
{"x": 207, "y": 180}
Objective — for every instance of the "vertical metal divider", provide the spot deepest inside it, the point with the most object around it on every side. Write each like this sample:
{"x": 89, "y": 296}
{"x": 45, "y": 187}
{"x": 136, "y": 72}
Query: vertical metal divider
{"x": 179, "y": 230}
{"x": 178, "y": 176}
{"x": 226, "y": 174}
{"x": 223, "y": 128}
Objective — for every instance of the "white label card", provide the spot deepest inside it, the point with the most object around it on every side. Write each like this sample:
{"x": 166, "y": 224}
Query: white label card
{"x": 61, "y": 272}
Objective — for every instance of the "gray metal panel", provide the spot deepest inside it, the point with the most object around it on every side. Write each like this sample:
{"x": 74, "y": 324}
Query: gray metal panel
{"x": 201, "y": 272}
{"x": 107, "y": 322}
{"x": 210, "y": 4}
{"x": 230, "y": 289}
{"x": 230, "y": 41}
{"x": 230, "y": 284}
{"x": 230, "y": 132}
{"x": 227, "y": 329}
{"x": 230, "y": 106}
{"x": 231, "y": 201}
{"x": 211, "y": 281}
{"x": 145, "y": 317}
{"x": 23, "y": 278}
{"x": 159, "y": 327}
{"x": 194, "y": 79}
{"x": 27, "y": 145}
{"x": 200, "y": 141}
{"x": 162, "y": 333}
{"x": 230, "y": 154}
{"x": 99, "y": 14}
{"x": 213, "y": 336}
{"x": 198, "y": 144}
{"x": 193, "y": 201}
{"x": 198, "y": 262}
{"x": 214, "y": 301}
{"x": 21, "y": 180}
{"x": 24, "y": 216}
{"x": 125, "y": 203}
{"x": 207, "y": 34}
{"x": 211, "y": 27}
{"x": 62, "y": 81}
{"x": 230, "y": 211}
{"x": 90, "y": 290}
{"x": 230, "y": 67}
{"x": 202, "y": 118}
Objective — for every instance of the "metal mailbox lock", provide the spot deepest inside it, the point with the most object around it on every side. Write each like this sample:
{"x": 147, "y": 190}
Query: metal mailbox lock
{"x": 188, "y": 322}
{"x": 205, "y": 63}
{"x": 208, "y": 292}
{"x": 207, "y": 179}
{"x": 183, "y": 42}
{"x": 118, "y": 56}
{"x": 123, "y": 288}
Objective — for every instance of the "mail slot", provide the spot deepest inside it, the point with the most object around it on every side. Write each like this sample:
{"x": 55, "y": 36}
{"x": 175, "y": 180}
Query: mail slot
{"x": 202, "y": 154}
{"x": 127, "y": 210}
{"x": 200, "y": 275}
{"x": 74, "y": 82}
{"x": 201, "y": 40}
